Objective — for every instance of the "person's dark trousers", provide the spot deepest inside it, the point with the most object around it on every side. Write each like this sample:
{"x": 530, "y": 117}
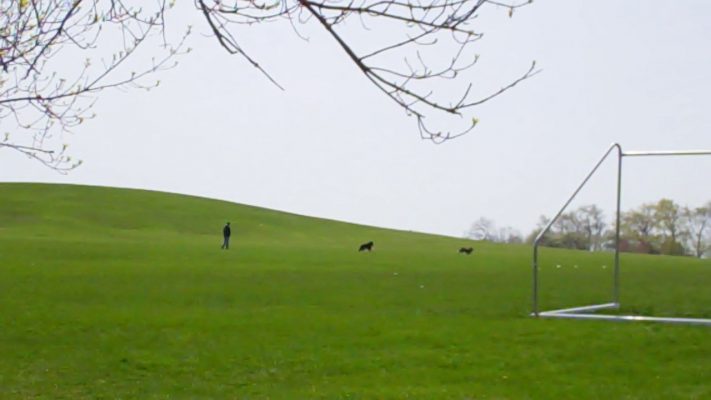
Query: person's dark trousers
{"x": 226, "y": 244}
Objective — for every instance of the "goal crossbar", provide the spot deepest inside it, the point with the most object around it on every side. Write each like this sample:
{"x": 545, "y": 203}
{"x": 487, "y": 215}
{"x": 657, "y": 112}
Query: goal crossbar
{"x": 586, "y": 312}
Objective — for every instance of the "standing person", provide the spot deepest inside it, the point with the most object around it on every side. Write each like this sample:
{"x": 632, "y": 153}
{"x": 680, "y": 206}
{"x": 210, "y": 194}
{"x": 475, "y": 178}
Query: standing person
{"x": 226, "y": 232}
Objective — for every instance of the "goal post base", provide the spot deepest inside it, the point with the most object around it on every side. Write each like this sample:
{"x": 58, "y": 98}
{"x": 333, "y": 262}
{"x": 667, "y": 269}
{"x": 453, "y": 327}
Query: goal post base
{"x": 585, "y": 312}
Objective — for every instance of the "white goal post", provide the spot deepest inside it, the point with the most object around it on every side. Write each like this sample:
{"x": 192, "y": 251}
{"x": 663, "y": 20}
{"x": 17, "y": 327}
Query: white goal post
{"x": 587, "y": 312}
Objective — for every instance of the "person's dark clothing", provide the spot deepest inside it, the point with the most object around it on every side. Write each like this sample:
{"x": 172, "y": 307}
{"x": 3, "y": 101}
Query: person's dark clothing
{"x": 226, "y": 232}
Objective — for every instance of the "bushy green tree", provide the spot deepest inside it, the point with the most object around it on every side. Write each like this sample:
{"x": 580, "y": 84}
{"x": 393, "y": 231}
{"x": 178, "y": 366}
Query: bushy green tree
{"x": 668, "y": 222}
{"x": 637, "y": 229}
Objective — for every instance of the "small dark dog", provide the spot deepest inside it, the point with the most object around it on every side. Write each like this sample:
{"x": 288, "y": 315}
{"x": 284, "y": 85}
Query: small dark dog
{"x": 466, "y": 250}
{"x": 366, "y": 246}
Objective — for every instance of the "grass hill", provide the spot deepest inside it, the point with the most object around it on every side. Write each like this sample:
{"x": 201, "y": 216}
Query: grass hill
{"x": 125, "y": 294}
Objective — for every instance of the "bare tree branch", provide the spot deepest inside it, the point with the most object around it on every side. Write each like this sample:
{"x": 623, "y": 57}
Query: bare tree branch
{"x": 421, "y": 23}
{"x": 41, "y": 98}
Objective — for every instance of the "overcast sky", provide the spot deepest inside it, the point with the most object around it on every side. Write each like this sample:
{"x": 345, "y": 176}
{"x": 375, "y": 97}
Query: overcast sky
{"x": 332, "y": 146}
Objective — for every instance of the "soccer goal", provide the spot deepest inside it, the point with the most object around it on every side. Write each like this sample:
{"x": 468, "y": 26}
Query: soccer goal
{"x": 589, "y": 311}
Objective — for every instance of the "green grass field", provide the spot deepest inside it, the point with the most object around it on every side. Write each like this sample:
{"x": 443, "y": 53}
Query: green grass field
{"x": 125, "y": 294}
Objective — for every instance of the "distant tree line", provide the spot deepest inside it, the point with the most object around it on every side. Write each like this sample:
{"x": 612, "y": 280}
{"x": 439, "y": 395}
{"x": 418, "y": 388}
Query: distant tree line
{"x": 584, "y": 228}
{"x": 664, "y": 227}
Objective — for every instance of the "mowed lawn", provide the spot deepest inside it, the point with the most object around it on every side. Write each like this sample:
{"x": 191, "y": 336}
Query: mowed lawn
{"x": 125, "y": 294}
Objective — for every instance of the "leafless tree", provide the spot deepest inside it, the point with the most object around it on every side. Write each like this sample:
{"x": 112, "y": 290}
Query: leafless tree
{"x": 42, "y": 98}
{"x": 698, "y": 225}
{"x": 482, "y": 229}
{"x": 486, "y": 229}
{"x": 46, "y": 98}
{"x": 593, "y": 224}
{"x": 509, "y": 235}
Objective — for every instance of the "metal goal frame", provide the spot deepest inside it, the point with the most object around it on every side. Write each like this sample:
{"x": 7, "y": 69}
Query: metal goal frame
{"x": 587, "y": 312}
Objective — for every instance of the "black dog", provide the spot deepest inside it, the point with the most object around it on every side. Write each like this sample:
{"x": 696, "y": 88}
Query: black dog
{"x": 366, "y": 246}
{"x": 466, "y": 250}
